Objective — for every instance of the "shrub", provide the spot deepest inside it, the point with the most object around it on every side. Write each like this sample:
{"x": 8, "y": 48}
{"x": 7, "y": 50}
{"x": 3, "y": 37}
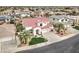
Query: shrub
{"x": 19, "y": 27}
{"x": 76, "y": 27}
{"x": 36, "y": 40}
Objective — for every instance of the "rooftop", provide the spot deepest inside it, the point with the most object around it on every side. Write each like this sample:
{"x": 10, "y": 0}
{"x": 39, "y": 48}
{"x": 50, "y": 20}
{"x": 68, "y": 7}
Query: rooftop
{"x": 32, "y": 22}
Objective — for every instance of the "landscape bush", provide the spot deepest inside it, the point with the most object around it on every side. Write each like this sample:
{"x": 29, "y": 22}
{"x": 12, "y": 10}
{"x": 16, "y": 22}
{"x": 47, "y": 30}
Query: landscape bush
{"x": 36, "y": 40}
{"x": 76, "y": 27}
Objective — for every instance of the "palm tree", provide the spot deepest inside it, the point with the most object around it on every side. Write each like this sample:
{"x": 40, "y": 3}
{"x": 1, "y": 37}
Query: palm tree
{"x": 73, "y": 24}
{"x": 25, "y": 37}
{"x": 47, "y": 14}
{"x": 59, "y": 27}
{"x": 19, "y": 27}
{"x": 18, "y": 30}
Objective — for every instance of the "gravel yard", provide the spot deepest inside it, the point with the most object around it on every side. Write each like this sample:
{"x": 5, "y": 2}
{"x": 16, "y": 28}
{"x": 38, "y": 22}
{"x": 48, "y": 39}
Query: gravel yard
{"x": 7, "y": 34}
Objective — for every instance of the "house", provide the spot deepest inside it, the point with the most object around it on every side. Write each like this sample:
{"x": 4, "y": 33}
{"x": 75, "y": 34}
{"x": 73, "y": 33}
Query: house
{"x": 64, "y": 19}
{"x": 4, "y": 19}
{"x": 75, "y": 19}
{"x": 38, "y": 25}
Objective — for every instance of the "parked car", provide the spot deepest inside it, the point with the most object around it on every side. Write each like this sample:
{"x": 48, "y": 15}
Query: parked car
{"x": 1, "y": 21}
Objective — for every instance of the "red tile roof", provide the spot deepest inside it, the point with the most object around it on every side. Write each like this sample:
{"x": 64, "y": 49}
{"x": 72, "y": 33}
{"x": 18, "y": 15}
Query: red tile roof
{"x": 32, "y": 22}
{"x": 47, "y": 26}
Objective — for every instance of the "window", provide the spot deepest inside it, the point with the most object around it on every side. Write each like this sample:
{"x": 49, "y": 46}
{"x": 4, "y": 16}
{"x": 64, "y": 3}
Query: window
{"x": 62, "y": 20}
{"x": 53, "y": 18}
{"x": 41, "y": 24}
{"x": 66, "y": 19}
{"x": 37, "y": 31}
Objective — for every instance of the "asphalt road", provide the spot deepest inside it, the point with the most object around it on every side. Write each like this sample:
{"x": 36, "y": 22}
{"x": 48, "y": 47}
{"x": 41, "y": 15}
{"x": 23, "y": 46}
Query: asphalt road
{"x": 70, "y": 45}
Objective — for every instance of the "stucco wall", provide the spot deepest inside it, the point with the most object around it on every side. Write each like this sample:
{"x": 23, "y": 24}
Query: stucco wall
{"x": 28, "y": 28}
{"x": 46, "y": 30}
{"x": 34, "y": 30}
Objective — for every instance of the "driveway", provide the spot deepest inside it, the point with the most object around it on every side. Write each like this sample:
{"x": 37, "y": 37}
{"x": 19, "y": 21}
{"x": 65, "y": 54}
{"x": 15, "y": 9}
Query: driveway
{"x": 50, "y": 36}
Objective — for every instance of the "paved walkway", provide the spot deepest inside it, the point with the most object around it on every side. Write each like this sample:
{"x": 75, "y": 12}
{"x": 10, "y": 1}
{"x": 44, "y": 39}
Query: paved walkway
{"x": 73, "y": 30}
{"x": 50, "y": 36}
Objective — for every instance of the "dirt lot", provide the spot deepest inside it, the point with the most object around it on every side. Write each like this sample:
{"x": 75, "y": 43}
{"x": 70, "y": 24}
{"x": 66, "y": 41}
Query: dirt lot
{"x": 7, "y": 30}
{"x": 7, "y": 35}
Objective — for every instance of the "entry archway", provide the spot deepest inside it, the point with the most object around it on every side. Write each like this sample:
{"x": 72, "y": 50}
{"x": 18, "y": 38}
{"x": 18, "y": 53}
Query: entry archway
{"x": 37, "y": 31}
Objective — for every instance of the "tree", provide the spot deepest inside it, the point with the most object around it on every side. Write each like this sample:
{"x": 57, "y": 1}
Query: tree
{"x": 47, "y": 14}
{"x": 59, "y": 27}
{"x": 19, "y": 27}
{"x": 74, "y": 13}
{"x": 73, "y": 24}
{"x": 24, "y": 37}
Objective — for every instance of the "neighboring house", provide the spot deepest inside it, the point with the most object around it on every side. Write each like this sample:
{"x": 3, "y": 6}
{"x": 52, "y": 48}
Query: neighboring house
{"x": 38, "y": 25}
{"x": 22, "y": 14}
{"x": 64, "y": 19}
{"x": 75, "y": 19}
{"x": 60, "y": 13}
{"x": 5, "y": 18}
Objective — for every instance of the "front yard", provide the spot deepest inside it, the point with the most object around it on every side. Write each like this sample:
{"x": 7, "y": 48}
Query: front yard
{"x": 36, "y": 40}
{"x": 26, "y": 37}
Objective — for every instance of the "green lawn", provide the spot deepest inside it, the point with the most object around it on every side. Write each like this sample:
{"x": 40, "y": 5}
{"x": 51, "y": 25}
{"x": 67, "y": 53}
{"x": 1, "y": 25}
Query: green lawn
{"x": 36, "y": 40}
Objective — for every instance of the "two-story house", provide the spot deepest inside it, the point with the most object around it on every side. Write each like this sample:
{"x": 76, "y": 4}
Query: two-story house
{"x": 64, "y": 19}
{"x": 38, "y": 25}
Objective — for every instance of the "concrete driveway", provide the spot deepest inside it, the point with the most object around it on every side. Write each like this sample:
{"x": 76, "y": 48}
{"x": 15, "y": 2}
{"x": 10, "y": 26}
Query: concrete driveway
{"x": 50, "y": 36}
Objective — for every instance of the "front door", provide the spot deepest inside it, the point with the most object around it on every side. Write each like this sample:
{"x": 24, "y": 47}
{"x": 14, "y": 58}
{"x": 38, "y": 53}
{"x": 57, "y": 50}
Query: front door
{"x": 37, "y": 31}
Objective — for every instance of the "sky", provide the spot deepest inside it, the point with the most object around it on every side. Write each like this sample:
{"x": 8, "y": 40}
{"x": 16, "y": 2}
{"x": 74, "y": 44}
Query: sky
{"x": 39, "y": 2}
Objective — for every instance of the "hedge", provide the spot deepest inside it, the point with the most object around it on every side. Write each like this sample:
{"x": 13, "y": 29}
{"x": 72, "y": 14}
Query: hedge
{"x": 36, "y": 40}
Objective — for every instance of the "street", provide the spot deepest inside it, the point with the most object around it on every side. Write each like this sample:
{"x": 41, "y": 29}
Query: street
{"x": 70, "y": 45}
